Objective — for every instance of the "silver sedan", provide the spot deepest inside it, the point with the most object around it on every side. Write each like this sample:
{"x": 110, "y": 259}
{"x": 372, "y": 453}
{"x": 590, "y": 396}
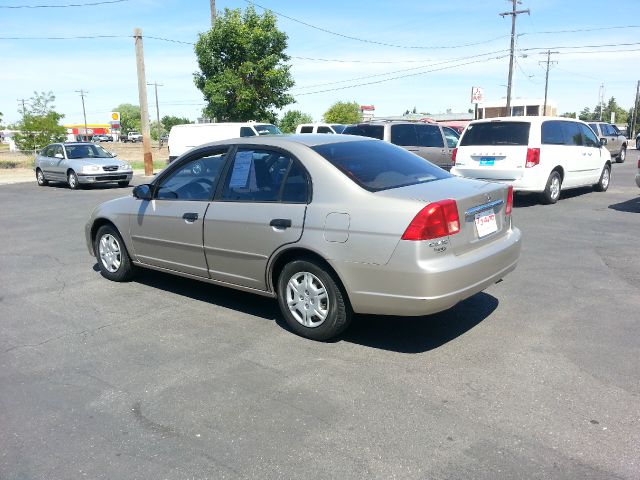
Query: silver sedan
{"x": 330, "y": 225}
{"x": 80, "y": 164}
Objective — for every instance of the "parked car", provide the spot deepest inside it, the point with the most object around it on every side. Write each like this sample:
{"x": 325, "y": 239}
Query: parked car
{"x": 185, "y": 137}
{"x": 638, "y": 174}
{"x": 328, "y": 224}
{"x": 133, "y": 137}
{"x": 80, "y": 164}
{"x": 427, "y": 140}
{"x": 534, "y": 154}
{"x": 615, "y": 141}
{"x": 320, "y": 128}
{"x": 102, "y": 138}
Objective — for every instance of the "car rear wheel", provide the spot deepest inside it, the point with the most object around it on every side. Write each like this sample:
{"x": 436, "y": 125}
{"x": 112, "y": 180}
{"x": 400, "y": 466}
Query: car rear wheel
{"x": 113, "y": 259}
{"x": 72, "y": 180}
{"x": 622, "y": 156}
{"x": 605, "y": 179}
{"x": 551, "y": 192}
{"x": 311, "y": 301}
{"x": 40, "y": 178}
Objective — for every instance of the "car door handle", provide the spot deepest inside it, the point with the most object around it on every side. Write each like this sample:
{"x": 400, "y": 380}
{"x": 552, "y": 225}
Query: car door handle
{"x": 280, "y": 223}
{"x": 190, "y": 217}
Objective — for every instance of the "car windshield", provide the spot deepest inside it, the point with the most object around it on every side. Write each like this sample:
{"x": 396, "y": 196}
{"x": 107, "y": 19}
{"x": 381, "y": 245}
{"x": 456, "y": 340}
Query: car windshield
{"x": 496, "y": 133}
{"x": 267, "y": 129}
{"x": 86, "y": 151}
{"x": 379, "y": 166}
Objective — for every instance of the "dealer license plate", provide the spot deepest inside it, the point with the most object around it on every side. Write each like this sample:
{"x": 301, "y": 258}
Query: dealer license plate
{"x": 487, "y": 160}
{"x": 486, "y": 223}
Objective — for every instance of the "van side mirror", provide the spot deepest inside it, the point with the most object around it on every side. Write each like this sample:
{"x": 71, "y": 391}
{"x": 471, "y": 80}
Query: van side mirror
{"x": 603, "y": 142}
{"x": 142, "y": 192}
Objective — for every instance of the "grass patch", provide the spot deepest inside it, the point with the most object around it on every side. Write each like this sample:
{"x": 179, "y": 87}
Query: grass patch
{"x": 157, "y": 165}
{"x": 16, "y": 162}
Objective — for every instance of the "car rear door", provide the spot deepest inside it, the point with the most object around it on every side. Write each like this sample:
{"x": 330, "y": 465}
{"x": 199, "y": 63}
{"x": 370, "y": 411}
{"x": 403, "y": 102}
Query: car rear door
{"x": 167, "y": 230}
{"x": 260, "y": 206}
{"x": 432, "y": 145}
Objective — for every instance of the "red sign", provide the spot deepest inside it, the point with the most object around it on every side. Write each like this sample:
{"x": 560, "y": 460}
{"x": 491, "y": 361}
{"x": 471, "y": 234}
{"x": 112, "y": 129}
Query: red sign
{"x": 364, "y": 108}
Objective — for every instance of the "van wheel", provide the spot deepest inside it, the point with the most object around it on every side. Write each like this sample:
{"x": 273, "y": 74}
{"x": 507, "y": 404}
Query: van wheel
{"x": 605, "y": 178}
{"x": 311, "y": 301}
{"x": 551, "y": 192}
{"x": 622, "y": 156}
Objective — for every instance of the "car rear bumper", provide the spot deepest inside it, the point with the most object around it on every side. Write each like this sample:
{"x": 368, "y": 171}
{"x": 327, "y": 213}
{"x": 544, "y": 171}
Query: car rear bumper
{"x": 638, "y": 179}
{"x": 410, "y": 287}
{"x": 532, "y": 180}
{"x": 105, "y": 177}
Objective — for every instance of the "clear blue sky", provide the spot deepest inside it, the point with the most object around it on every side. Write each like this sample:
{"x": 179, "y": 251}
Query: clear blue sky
{"x": 106, "y": 66}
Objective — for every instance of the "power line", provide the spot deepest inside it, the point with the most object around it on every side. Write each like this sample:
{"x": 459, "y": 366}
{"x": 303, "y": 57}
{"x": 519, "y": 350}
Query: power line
{"x": 580, "y": 30}
{"x": 349, "y": 37}
{"x": 585, "y": 46}
{"x": 92, "y": 4}
{"x": 81, "y": 37}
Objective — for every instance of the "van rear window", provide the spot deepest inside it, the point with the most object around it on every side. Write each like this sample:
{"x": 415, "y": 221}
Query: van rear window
{"x": 496, "y": 133}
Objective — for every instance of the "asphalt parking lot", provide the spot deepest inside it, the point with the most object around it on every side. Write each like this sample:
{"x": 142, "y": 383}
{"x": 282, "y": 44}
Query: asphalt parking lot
{"x": 168, "y": 378}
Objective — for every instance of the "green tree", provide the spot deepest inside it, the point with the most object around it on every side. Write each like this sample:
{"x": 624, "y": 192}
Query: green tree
{"x": 585, "y": 115}
{"x": 129, "y": 117}
{"x": 343, "y": 112}
{"x": 569, "y": 115}
{"x": 153, "y": 130}
{"x": 243, "y": 75}
{"x": 291, "y": 119}
{"x": 613, "y": 107}
{"x": 169, "y": 121}
{"x": 40, "y": 124}
{"x": 0, "y": 119}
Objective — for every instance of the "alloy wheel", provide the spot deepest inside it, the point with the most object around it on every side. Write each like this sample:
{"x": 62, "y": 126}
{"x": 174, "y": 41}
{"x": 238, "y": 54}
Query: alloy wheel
{"x": 307, "y": 299}
{"x": 110, "y": 253}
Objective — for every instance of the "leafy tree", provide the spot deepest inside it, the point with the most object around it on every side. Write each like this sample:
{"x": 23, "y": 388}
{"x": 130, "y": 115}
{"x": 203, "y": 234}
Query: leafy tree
{"x": 242, "y": 71}
{"x": 291, "y": 119}
{"x": 40, "y": 124}
{"x": 585, "y": 115}
{"x": 153, "y": 127}
{"x": 343, "y": 112}
{"x": 613, "y": 107}
{"x": 169, "y": 121}
{"x": 0, "y": 119}
{"x": 569, "y": 115}
{"x": 129, "y": 117}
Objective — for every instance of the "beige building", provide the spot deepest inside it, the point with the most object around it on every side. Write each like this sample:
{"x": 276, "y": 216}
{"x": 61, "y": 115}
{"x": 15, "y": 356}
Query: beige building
{"x": 520, "y": 107}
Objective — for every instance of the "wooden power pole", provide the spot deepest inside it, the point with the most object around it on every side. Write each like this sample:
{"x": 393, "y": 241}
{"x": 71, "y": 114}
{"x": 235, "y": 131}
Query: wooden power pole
{"x": 84, "y": 113}
{"x": 514, "y": 13}
{"x": 635, "y": 114}
{"x": 546, "y": 80}
{"x": 144, "y": 110}
{"x": 213, "y": 12}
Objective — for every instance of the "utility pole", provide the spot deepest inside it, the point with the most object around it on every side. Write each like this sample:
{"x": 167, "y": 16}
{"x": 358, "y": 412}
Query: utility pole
{"x": 635, "y": 113}
{"x": 24, "y": 109}
{"x": 84, "y": 113}
{"x": 601, "y": 101}
{"x": 514, "y": 13}
{"x": 213, "y": 12}
{"x": 546, "y": 80}
{"x": 144, "y": 110}
{"x": 156, "y": 85}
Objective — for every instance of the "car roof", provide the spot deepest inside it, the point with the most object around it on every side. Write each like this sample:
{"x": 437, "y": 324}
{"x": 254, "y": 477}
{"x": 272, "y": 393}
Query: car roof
{"x": 525, "y": 119}
{"x": 307, "y": 139}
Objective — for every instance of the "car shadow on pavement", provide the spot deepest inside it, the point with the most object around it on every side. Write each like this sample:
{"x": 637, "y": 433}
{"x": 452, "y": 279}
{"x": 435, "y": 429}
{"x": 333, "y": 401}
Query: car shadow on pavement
{"x": 420, "y": 334}
{"x": 631, "y": 206}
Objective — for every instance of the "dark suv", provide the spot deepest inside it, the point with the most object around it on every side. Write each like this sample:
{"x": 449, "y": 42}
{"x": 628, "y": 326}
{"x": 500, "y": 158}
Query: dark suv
{"x": 431, "y": 141}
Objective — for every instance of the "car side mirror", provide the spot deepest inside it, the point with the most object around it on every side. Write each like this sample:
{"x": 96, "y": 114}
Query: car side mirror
{"x": 114, "y": 155}
{"x": 603, "y": 142}
{"x": 59, "y": 155}
{"x": 143, "y": 192}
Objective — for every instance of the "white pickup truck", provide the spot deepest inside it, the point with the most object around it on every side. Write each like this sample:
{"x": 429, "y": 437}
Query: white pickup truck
{"x": 133, "y": 137}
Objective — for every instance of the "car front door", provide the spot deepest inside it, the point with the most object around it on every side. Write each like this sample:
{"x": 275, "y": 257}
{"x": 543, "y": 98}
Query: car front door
{"x": 59, "y": 162}
{"x": 613, "y": 144}
{"x": 167, "y": 230}
{"x": 260, "y": 207}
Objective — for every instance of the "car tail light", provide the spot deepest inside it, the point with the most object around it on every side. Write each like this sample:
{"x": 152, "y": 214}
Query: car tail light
{"x": 533, "y": 157}
{"x": 454, "y": 154}
{"x": 437, "y": 219}
{"x": 638, "y": 164}
{"x": 509, "y": 206}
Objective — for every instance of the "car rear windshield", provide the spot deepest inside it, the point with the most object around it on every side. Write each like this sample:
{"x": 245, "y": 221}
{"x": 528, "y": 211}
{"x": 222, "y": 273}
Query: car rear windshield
{"x": 373, "y": 131}
{"x": 496, "y": 133}
{"x": 268, "y": 129}
{"x": 379, "y": 165}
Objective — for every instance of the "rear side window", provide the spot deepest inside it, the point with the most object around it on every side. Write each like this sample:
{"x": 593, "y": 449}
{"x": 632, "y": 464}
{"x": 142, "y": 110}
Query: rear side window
{"x": 496, "y": 133}
{"x": 364, "y": 130}
{"x": 379, "y": 165}
{"x": 247, "y": 132}
{"x": 594, "y": 126}
{"x": 572, "y": 133}
{"x": 552, "y": 133}
{"x": 306, "y": 129}
{"x": 324, "y": 129}
{"x": 404, "y": 135}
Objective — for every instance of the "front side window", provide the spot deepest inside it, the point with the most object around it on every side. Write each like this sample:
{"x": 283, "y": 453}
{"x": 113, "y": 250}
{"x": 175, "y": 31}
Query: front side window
{"x": 429, "y": 136}
{"x": 404, "y": 135}
{"x": 259, "y": 175}
{"x": 379, "y": 166}
{"x": 324, "y": 129}
{"x": 496, "y": 133}
{"x": 552, "y": 133}
{"x": 364, "y": 130}
{"x": 194, "y": 180}
{"x": 267, "y": 129}
{"x": 589, "y": 138}
{"x": 57, "y": 149}
{"x": 607, "y": 130}
{"x": 47, "y": 151}
{"x": 451, "y": 136}
{"x": 247, "y": 132}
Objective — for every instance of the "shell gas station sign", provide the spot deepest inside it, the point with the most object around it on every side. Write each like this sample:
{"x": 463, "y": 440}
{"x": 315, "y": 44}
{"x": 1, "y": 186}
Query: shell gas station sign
{"x": 114, "y": 120}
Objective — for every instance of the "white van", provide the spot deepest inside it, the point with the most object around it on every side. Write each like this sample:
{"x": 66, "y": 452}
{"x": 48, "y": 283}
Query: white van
{"x": 320, "y": 128}
{"x": 185, "y": 137}
{"x": 534, "y": 154}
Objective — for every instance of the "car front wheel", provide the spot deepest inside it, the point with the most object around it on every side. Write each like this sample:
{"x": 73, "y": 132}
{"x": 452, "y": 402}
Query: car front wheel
{"x": 622, "y": 156}
{"x": 40, "y": 178}
{"x": 551, "y": 193}
{"x": 72, "y": 180}
{"x": 113, "y": 259}
{"x": 312, "y": 302}
{"x": 605, "y": 179}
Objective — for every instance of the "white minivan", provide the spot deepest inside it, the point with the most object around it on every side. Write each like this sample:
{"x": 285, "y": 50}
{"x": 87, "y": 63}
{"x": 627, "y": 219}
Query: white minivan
{"x": 185, "y": 137}
{"x": 533, "y": 154}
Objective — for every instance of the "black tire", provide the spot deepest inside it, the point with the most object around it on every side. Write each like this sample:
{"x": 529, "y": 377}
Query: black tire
{"x": 622, "y": 156}
{"x": 312, "y": 277}
{"x": 605, "y": 180}
{"x": 551, "y": 193}
{"x": 124, "y": 183}
{"x": 72, "y": 180}
{"x": 111, "y": 253}
{"x": 43, "y": 182}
